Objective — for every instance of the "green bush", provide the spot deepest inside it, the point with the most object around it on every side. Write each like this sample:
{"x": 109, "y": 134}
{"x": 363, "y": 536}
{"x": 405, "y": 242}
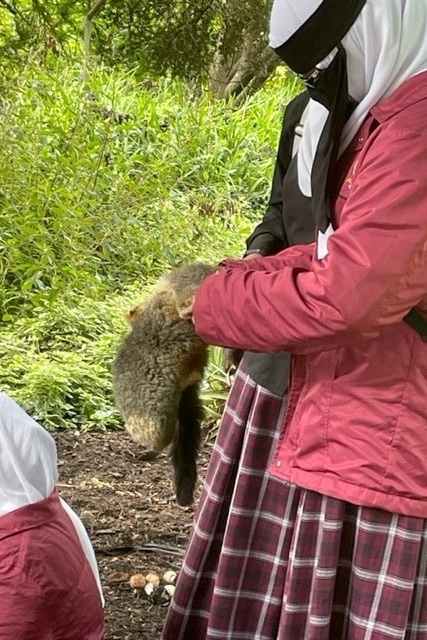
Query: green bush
{"x": 57, "y": 363}
{"x": 103, "y": 187}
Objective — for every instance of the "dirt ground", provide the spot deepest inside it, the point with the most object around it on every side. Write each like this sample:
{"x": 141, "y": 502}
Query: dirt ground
{"x": 127, "y": 505}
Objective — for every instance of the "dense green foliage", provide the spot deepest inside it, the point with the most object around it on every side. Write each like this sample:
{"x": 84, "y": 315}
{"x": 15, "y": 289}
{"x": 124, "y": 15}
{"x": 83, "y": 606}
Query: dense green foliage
{"x": 102, "y": 189}
{"x": 160, "y": 37}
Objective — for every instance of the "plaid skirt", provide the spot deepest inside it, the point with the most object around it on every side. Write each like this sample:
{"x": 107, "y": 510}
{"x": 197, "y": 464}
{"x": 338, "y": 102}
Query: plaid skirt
{"x": 271, "y": 561}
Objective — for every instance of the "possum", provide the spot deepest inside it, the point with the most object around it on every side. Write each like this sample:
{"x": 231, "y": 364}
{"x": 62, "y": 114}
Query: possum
{"x": 157, "y": 373}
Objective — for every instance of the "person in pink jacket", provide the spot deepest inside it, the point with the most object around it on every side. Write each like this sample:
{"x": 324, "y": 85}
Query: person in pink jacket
{"x": 49, "y": 582}
{"x": 326, "y": 539}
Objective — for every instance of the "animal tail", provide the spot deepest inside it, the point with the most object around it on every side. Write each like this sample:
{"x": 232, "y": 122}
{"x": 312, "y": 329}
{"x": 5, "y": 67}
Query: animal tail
{"x": 186, "y": 444}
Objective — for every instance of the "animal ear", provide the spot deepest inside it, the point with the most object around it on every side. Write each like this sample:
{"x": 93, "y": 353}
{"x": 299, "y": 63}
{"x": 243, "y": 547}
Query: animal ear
{"x": 132, "y": 315}
{"x": 185, "y": 307}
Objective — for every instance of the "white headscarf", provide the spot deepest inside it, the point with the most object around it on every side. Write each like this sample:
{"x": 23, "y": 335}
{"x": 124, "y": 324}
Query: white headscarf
{"x": 28, "y": 469}
{"x": 386, "y": 45}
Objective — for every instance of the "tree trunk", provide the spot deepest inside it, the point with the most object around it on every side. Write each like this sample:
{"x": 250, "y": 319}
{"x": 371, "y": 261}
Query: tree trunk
{"x": 93, "y": 11}
{"x": 243, "y": 73}
{"x": 242, "y": 61}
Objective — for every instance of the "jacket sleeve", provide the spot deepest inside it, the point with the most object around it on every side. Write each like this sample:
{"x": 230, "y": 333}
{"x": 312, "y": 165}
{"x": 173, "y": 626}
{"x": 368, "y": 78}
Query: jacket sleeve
{"x": 375, "y": 272}
{"x": 269, "y": 236}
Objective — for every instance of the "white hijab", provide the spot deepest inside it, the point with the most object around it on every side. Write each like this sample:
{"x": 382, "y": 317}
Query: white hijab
{"x": 386, "y": 45}
{"x": 28, "y": 469}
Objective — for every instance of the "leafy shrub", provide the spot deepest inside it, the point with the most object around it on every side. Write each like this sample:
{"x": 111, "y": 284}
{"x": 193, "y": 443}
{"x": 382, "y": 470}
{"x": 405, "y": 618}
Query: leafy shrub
{"x": 102, "y": 189}
{"x": 57, "y": 363}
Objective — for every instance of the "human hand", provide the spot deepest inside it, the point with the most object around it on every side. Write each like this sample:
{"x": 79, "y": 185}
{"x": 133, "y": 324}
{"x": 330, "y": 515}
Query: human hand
{"x": 252, "y": 255}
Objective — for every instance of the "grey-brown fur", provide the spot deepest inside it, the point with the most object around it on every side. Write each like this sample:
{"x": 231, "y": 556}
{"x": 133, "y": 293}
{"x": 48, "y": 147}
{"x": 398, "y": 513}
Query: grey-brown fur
{"x": 157, "y": 372}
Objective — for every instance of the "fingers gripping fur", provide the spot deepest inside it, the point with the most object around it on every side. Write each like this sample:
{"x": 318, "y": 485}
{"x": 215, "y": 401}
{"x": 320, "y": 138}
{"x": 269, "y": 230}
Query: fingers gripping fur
{"x": 184, "y": 282}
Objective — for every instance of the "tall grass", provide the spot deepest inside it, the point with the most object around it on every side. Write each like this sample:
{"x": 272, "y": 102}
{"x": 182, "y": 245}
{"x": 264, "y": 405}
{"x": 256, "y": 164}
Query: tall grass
{"x": 102, "y": 188}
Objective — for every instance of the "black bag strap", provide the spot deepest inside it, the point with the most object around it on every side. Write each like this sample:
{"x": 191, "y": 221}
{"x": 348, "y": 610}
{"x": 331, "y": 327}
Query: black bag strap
{"x": 417, "y": 322}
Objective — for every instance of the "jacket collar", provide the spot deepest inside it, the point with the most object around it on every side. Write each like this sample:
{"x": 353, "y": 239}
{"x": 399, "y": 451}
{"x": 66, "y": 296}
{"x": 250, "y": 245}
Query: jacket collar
{"x": 412, "y": 91}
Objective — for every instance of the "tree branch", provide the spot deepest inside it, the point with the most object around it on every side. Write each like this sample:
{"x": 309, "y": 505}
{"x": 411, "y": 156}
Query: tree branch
{"x": 95, "y": 9}
{"x": 6, "y": 5}
{"x": 87, "y": 30}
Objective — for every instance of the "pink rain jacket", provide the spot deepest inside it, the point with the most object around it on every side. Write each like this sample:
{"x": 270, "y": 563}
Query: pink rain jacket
{"x": 356, "y": 426}
{"x": 47, "y": 588}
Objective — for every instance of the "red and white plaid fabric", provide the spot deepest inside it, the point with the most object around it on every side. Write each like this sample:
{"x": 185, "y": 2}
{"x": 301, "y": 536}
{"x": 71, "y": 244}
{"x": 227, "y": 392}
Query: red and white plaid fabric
{"x": 270, "y": 561}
